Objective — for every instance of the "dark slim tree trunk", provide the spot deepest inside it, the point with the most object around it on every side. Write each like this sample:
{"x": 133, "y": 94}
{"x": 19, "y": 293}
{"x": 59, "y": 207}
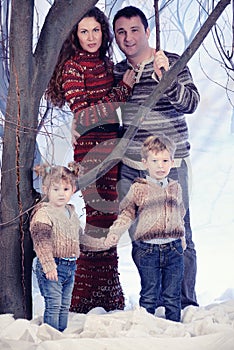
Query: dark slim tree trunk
{"x": 29, "y": 74}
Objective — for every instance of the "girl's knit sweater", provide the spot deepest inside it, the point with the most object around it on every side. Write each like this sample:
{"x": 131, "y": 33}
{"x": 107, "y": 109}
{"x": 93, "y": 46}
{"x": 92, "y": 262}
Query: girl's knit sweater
{"x": 88, "y": 88}
{"x": 159, "y": 211}
{"x": 55, "y": 234}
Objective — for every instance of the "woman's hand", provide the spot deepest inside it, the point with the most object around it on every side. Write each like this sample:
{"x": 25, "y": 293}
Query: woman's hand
{"x": 74, "y": 134}
{"x": 129, "y": 77}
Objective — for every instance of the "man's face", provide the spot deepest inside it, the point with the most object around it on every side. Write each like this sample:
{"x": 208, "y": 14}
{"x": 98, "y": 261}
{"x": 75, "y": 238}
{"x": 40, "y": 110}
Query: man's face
{"x": 131, "y": 36}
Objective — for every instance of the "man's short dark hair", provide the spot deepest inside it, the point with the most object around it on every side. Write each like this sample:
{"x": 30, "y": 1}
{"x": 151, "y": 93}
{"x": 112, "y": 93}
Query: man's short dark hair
{"x": 129, "y": 12}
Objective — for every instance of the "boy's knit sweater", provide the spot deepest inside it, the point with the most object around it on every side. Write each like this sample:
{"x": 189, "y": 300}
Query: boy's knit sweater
{"x": 56, "y": 235}
{"x": 88, "y": 88}
{"x": 159, "y": 211}
{"x": 167, "y": 115}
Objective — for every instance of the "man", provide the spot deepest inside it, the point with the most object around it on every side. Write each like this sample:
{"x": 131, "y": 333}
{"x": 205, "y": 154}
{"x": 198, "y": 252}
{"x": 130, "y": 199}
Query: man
{"x": 167, "y": 116}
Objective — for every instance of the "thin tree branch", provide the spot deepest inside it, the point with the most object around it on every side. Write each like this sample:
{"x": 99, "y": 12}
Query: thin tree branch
{"x": 157, "y": 25}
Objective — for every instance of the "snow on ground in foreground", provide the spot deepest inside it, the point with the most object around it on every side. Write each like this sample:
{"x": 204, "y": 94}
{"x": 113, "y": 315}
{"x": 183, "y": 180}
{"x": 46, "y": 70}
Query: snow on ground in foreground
{"x": 210, "y": 327}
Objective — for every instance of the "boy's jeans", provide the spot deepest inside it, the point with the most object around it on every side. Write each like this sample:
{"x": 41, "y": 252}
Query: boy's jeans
{"x": 161, "y": 271}
{"x": 57, "y": 294}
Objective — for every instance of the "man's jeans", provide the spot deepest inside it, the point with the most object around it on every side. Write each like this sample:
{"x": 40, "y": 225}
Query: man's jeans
{"x": 161, "y": 271}
{"x": 57, "y": 294}
{"x": 127, "y": 176}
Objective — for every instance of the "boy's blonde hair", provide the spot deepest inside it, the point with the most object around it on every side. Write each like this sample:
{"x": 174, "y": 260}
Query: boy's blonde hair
{"x": 157, "y": 144}
{"x": 54, "y": 174}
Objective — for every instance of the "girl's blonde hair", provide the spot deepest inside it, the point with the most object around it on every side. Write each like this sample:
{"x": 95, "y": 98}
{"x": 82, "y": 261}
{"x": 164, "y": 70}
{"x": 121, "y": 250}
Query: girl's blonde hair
{"x": 54, "y": 174}
{"x": 157, "y": 144}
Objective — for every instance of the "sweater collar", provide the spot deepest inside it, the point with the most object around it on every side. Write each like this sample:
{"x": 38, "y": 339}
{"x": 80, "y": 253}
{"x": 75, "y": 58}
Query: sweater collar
{"x": 83, "y": 53}
{"x": 162, "y": 183}
{"x": 140, "y": 67}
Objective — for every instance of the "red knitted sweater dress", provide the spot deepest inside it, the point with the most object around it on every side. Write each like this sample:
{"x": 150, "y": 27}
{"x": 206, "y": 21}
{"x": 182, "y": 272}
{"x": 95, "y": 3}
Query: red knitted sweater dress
{"x": 89, "y": 91}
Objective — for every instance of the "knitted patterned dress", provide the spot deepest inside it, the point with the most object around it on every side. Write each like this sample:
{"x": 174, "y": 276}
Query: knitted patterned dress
{"x": 89, "y": 91}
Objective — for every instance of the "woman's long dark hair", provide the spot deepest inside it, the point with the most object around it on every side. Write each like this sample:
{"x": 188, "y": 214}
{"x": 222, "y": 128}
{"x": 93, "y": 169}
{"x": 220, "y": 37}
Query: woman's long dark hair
{"x": 54, "y": 91}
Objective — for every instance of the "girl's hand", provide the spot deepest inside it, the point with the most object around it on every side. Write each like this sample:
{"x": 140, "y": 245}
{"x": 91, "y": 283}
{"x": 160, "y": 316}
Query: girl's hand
{"x": 52, "y": 275}
{"x": 129, "y": 77}
{"x": 111, "y": 240}
{"x": 160, "y": 61}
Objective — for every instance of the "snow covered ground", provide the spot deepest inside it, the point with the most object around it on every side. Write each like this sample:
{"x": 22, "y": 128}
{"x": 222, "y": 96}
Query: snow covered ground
{"x": 207, "y": 328}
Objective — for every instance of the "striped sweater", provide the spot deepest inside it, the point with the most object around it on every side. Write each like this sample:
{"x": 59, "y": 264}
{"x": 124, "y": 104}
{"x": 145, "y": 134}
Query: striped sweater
{"x": 88, "y": 88}
{"x": 167, "y": 116}
{"x": 159, "y": 211}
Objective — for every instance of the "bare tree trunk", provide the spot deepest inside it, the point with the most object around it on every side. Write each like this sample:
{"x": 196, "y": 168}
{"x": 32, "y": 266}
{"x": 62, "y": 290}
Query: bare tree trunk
{"x": 29, "y": 74}
{"x": 19, "y": 140}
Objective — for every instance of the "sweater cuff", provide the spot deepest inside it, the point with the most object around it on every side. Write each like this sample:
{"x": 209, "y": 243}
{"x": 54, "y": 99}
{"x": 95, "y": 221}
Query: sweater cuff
{"x": 48, "y": 266}
{"x": 125, "y": 87}
{"x": 172, "y": 90}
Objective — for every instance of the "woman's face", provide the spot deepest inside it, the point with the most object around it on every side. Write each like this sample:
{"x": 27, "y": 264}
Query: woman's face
{"x": 89, "y": 33}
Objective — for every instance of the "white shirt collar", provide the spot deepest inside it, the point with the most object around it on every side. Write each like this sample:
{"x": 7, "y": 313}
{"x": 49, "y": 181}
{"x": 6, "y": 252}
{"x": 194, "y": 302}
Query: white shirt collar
{"x": 162, "y": 183}
{"x": 140, "y": 67}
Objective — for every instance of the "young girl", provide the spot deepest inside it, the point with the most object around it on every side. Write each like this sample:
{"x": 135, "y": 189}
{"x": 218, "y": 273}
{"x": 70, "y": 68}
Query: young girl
{"x": 55, "y": 230}
{"x": 83, "y": 78}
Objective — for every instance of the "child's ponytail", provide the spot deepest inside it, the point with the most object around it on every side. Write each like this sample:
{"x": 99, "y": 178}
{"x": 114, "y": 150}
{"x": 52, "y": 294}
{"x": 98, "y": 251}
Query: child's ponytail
{"x": 55, "y": 173}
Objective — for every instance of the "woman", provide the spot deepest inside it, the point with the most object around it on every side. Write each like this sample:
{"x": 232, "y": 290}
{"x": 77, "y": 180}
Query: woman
{"x": 83, "y": 78}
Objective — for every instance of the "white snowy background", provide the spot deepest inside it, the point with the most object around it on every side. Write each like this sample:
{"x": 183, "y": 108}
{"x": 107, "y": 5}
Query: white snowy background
{"x": 209, "y": 326}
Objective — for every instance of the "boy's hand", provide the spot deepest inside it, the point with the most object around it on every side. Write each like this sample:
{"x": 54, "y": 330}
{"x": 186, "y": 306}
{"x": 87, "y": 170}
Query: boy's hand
{"x": 183, "y": 241}
{"x": 111, "y": 240}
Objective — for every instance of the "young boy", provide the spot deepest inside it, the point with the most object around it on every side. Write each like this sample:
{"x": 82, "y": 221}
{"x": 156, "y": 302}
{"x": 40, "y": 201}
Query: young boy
{"x": 156, "y": 204}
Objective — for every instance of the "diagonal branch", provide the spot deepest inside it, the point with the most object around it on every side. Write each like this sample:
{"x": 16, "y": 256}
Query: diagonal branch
{"x": 168, "y": 77}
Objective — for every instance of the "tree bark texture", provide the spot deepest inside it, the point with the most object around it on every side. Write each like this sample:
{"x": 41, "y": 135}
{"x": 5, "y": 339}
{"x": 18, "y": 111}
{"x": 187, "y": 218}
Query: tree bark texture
{"x": 29, "y": 74}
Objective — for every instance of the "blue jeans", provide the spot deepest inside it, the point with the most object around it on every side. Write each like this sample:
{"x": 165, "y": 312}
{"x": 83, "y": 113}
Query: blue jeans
{"x": 161, "y": 272}
{"x": 127, "y": 176}
{"x": 57, "y": 294}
